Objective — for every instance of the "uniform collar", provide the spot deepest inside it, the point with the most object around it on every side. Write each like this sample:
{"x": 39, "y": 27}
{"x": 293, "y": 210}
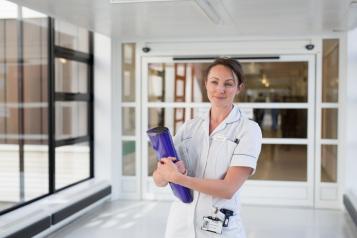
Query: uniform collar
{"x": 233, "y": 116}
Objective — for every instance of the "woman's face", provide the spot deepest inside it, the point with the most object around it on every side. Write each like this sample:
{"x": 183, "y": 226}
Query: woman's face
{"x": 221, "y": 86}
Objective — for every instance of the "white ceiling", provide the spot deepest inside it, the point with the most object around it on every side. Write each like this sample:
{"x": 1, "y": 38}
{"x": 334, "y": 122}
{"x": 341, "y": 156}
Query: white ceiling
{"x": 183, "y": 19}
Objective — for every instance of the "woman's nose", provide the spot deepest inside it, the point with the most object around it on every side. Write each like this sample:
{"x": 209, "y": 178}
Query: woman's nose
{"x": 220, "y": 88}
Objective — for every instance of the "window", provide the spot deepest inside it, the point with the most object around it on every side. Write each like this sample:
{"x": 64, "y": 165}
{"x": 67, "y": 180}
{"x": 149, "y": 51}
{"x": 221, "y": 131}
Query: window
{"x": 129, "y": 108}
{"x": 72, "y": 128}
{"x": 46, "y": 109}
{"x": 328, "y": 109}
{"x": 276, "y": 97}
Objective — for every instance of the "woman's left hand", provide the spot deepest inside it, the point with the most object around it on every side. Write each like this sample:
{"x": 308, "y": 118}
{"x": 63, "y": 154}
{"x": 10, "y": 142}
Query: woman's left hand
{"x": 167, "y": 169}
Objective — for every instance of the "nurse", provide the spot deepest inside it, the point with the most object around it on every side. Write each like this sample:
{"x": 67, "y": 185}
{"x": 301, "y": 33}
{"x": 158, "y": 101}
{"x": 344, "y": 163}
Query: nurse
{"x": 218, "y": 152}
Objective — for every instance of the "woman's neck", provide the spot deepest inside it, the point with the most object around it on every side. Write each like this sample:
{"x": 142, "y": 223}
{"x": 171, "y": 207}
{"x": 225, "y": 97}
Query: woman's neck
{"x": 217, "y": 115}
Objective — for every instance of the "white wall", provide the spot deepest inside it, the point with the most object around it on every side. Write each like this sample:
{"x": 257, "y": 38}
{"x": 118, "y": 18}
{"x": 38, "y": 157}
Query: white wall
{"x": 351, "y": 115}
{"x": 107, "y": 164}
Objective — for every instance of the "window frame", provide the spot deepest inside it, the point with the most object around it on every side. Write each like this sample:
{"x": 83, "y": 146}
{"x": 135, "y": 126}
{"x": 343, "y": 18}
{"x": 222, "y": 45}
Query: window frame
{"x": 88, "y": 97}
{"x": 54, "y": 52}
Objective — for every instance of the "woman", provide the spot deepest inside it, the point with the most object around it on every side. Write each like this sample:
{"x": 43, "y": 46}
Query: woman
{"x": 219, "y": 152}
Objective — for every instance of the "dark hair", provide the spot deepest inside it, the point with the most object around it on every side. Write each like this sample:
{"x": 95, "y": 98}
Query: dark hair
{"x": 230, "y": 63}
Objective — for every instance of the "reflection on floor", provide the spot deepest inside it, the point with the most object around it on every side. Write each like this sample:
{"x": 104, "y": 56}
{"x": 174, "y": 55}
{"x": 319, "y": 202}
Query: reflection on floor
{"x": 147, "y": 219}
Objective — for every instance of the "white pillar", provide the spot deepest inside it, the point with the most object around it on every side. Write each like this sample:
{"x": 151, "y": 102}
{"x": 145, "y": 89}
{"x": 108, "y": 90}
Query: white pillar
{"x": 106, "y": 83}
{"x": 351, "y": 114}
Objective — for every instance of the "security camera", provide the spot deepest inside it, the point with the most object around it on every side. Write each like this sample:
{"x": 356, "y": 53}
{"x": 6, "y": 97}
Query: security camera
{"x": 146, "y": 49}
{"x": 309, "y": 46}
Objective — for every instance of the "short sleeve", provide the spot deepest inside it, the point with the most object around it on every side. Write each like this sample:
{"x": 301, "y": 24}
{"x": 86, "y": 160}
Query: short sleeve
{"x": 247, "y": 152}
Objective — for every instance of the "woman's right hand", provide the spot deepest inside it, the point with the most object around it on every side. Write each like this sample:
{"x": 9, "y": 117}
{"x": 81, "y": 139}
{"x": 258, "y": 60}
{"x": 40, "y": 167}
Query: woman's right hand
{"x": 161, "y": 182}
{"x": 158, "y": 179}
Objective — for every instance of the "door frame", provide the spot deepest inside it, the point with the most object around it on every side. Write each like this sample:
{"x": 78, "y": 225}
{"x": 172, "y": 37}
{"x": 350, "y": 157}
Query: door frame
{"x": 254, "y": 192}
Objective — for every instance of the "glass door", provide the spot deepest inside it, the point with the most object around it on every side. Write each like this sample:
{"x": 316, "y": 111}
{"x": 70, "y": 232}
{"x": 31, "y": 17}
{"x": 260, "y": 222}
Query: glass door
{"x": 279, "y": 96}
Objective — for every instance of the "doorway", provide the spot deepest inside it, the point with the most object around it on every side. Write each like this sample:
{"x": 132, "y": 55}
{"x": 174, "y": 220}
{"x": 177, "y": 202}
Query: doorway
{"x": 279, "y": 96}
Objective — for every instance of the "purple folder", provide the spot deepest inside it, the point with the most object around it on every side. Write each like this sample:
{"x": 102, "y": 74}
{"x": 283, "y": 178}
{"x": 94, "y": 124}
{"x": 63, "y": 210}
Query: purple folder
{"x": 161, "y": 142}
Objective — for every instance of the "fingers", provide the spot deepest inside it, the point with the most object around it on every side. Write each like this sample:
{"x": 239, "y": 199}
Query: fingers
{"x": 165, "y": 160}
{"x": 181, "y": 166}
{"x": 180, "y": 163}
{"x": 168, "y": 160}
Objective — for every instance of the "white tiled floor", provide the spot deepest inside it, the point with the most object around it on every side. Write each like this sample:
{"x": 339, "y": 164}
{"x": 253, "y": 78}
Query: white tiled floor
{"x": 147, "y": 219}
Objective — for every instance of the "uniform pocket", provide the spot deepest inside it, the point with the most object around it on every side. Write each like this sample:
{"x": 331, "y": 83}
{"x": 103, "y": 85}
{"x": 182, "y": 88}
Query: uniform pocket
{"x": 234, "y": 229}
{"x": 223, "y": 155}
{"x": 234, "y": 226}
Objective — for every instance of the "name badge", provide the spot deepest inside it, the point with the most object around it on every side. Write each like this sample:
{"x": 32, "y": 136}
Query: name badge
{"x": 212, "y": 224}
{"x": 219, "y": 137}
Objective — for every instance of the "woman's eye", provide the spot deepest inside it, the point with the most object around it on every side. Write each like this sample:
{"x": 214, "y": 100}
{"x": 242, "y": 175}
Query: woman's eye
{"x": 214, "y": 82}
{"x": 228, "y": 85}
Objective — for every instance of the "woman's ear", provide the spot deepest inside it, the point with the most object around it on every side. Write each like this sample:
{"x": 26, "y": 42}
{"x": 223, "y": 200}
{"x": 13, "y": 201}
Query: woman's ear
{"x": 240, "y": 88}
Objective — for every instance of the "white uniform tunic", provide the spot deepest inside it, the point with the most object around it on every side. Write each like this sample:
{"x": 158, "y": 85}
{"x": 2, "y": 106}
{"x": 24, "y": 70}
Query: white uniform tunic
{"x": 235, "y": 142}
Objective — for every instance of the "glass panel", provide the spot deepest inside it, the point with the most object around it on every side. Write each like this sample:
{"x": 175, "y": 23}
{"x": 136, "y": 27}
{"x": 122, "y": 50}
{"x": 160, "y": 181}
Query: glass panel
{"x": 280, "y": 123}
{"x": 128, "y": 166}
{"x": 71, "y": 119}
{"x": 329, "y": 118}
{"x": 8, "y": 59}
{"x": 35, "y": 80}
{"x": 265, "y": 82}
{"x": 35, "y": 96}
{"x": 23, "y": 107}
{"x": 71, "y": 36}
{"x": 177, "y": 82}
{"x": 330, "y": 70}
{"x": 36, "y": 171}
{"x": 128, "y": 73}
{"x": 72, "y": 164}
{"x": 9, "y": 88}
{"x": 152, "y": 160}
{"x": 157, "y": 82}
{"x": 9, "y": 127}
{"x": 282, "y": 162}
{"x": 2, "y": 66}
{"x": 172, "y": 118}
{"x": 4, "y": 114}
{"x": 9, "y": 175}
{"x": 10, "y": 184}
{"x": 71, "y": 76}
{"x": 275, "y": 123}
{"x": 128, "y": 119}
{"x": 274, "y": 82}
{"x": 329, "y": 163}
{"x": 36, "y": 126}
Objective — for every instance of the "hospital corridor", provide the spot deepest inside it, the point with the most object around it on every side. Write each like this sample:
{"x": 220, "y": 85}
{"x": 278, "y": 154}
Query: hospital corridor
{"x": 148, "y": 219}
{"x": 178, "y": 118}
